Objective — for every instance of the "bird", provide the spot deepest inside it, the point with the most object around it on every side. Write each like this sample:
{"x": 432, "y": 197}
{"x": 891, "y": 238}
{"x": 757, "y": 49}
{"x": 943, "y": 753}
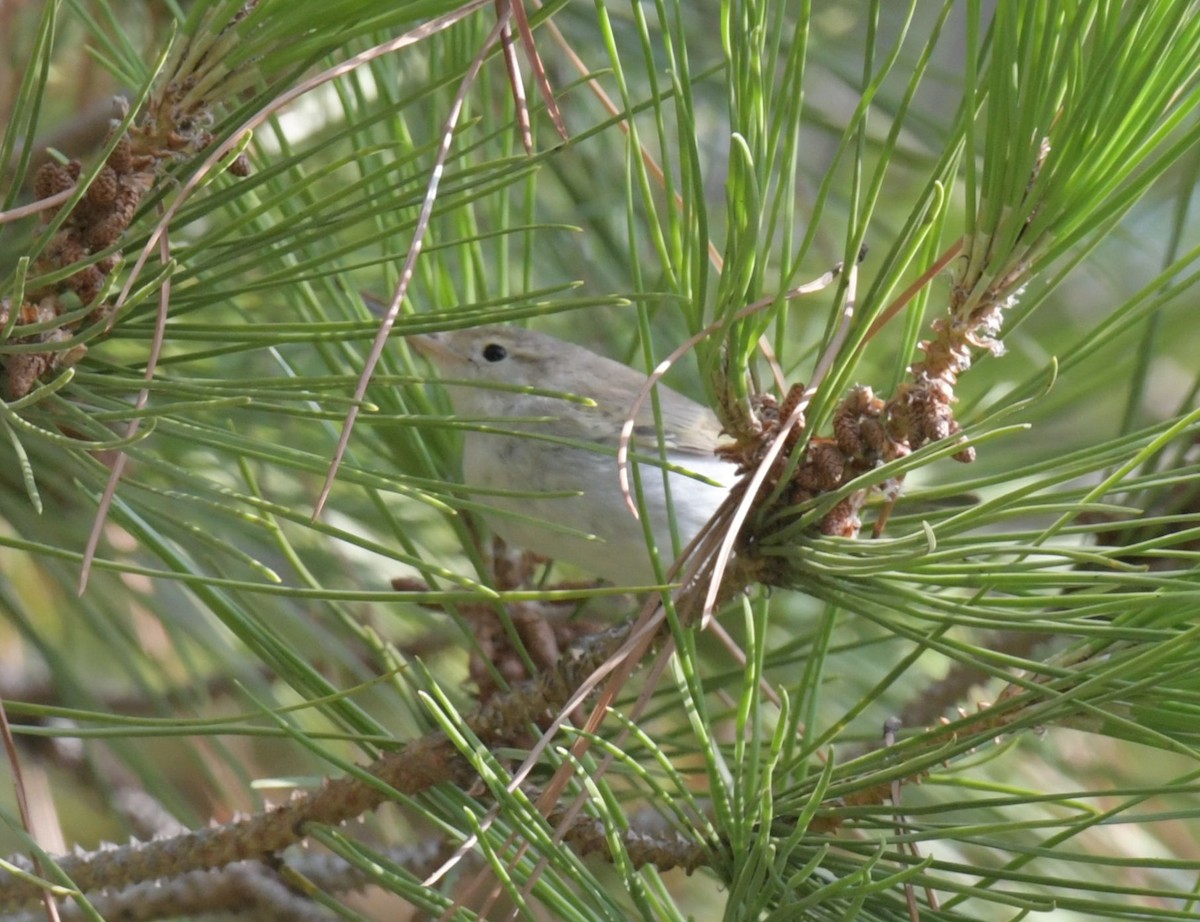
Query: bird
{"x": 544, "y": 458}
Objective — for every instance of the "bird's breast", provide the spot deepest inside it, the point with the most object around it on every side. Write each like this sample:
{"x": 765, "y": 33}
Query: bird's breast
{"x": 565, "y": 502}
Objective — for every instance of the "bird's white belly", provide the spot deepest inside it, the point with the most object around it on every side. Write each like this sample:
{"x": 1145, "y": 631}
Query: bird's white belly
{"x": 592, "y": 529}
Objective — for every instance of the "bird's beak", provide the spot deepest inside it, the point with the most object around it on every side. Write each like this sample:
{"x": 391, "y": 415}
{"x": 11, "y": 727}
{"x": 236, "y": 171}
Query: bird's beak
{"x": 429, "y": 345}
{"x": 432, "y": 346}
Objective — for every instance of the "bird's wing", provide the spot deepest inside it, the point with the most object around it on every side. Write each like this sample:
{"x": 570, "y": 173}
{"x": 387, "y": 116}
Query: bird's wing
{"x": 688, "y": 426}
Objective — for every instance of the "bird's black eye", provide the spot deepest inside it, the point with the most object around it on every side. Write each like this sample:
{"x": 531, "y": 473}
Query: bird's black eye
{"x": 494, "y": 352}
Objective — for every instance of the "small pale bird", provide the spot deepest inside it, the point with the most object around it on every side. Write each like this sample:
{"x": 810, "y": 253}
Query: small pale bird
{"x": 557, "y": 454}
